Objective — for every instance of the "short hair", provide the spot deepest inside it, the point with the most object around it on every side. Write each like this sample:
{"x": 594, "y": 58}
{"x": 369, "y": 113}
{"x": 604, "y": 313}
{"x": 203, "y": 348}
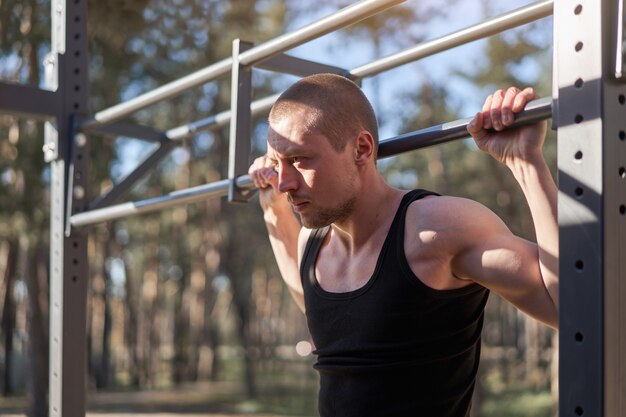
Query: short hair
{"x": 339, "y": 109}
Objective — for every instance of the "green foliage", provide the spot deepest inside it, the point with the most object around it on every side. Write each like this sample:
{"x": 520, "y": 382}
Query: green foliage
{"x": 518, "y": 403}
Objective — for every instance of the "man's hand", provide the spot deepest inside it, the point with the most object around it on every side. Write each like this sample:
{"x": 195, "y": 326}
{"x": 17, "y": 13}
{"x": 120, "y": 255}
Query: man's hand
{"x": 266, "y": 180}
{"x": 507, "y": 146}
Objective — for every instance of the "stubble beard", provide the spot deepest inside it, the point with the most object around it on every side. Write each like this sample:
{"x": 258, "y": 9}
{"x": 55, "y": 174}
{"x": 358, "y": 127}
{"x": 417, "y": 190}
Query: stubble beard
{"x": 326, "y": 216}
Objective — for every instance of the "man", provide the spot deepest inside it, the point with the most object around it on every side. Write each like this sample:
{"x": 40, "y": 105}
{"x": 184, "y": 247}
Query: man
{"x": 394, "y": 283}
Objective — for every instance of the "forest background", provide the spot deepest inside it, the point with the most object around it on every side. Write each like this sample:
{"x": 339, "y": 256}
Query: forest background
{"x": 189, "y": 300}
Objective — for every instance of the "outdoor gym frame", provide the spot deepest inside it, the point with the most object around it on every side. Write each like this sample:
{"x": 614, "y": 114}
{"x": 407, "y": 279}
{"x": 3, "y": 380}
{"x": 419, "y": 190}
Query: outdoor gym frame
{"x": 587, "y": 107}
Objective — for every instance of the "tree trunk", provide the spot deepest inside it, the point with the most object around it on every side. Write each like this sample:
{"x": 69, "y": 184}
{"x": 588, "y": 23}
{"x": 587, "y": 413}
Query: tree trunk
{"x": 236, "y": 267}
{"x": 131, "y": 331}
{"x": 37, "y": 282}
{"x": 181, "y": 331}
{"x": 105, "y": 364}
{"x": 8, "y": 313}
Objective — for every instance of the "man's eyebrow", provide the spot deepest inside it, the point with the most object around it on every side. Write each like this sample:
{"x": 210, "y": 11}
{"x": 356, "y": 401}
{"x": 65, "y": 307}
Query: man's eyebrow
{"x": 288, "y": 153}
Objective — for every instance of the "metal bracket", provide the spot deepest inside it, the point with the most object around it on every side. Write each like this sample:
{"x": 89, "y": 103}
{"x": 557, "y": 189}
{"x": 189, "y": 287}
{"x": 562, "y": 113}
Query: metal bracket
{"x": 288, "y": 64}
{"x": 76, "y": 192}
{"x": 240, "y": 123}
{"x": 620, "y": 40}
{"x": 51, "y": 142}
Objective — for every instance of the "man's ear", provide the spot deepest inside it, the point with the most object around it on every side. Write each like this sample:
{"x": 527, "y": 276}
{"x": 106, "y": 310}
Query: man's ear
{"x": 365, "y": 146}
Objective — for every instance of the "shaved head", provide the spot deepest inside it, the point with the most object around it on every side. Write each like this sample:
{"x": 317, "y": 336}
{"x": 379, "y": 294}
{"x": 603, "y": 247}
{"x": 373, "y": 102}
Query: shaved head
{"x": 336, "y": 107}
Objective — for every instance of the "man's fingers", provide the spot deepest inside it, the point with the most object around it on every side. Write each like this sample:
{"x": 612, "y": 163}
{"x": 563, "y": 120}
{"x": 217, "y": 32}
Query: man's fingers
{"x": 508, "y": 104}
{"x": 486, "y": 112}
{"x": 262, "y": 172}
{"x": 476, "y": 124}
{"x": 496, "y": 110}
{"x": 522, "y": 98}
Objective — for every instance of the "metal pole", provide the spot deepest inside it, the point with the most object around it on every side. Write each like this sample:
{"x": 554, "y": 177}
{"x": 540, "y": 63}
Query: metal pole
{"x": 338, "y": 20}
{"x": 506, "y": 21}
{"x": 499, "y": 24}
{"x": 186, "y": 196}
{"x": 591, "y": 209}
{"x": 240, "y": 124}
{"x": 219, "y": 120}
{"x": 534, "y": 111}
{"x": 68, "y": 154}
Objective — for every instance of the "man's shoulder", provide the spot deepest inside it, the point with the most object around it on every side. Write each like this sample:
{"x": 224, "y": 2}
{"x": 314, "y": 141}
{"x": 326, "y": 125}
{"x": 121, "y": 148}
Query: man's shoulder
{"x": 432, "y": 206}
{"x": 450, "y": 216}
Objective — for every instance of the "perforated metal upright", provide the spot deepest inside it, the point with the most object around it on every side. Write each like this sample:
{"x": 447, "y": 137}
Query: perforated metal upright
{"x": 66, "y": 72}
{"x": 591, "y": 119}
{"x": 240, "y": 122}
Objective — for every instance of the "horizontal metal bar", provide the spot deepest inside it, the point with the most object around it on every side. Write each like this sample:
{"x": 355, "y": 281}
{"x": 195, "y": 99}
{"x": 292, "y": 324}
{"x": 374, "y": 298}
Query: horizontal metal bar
{"x": 344, "y": 17}
{"x": 219, "y": 120}
{"x": 482, "y": 30}
{"x": 534, "y": 111}
{"x": 186, "y": 196}
{"x": 164, "y": 92}
{"x": 506, "y": 21}
{"x": 132, "y": 131}
{"x": 337, "y": 20}
{"x": 28, "y": 101}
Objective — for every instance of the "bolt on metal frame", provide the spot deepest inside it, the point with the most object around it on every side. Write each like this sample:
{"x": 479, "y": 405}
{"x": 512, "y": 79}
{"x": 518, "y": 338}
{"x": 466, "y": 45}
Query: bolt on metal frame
{"x": 588, "y": 111}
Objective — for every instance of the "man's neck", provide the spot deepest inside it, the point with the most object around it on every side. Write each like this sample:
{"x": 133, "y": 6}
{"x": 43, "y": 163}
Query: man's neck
{"x": 373, "y": 213}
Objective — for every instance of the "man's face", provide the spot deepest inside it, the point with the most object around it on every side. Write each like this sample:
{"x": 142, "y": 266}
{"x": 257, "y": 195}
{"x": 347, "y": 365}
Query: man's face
{"x": 319, "y": 180}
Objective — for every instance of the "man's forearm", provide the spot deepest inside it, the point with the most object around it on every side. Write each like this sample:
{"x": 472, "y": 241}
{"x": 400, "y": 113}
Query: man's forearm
{"x": 541, "y": 191}
{"x": 283, "y": 230}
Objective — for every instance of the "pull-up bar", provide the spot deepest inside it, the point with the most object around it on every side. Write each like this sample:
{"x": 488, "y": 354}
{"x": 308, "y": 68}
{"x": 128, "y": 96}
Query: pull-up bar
{"x": 344, "y": 17}
{"x": 534, "y": 111}
{"x": 517, "y": 17}
{"x": 510, "y": 20}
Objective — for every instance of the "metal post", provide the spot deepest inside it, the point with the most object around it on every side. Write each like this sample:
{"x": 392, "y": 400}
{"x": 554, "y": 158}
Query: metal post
{"x": 592, "y": 225}
{"x": 614, "y": 173}
{"x": 241, "y": 121}
{"x": 66, "y": 70}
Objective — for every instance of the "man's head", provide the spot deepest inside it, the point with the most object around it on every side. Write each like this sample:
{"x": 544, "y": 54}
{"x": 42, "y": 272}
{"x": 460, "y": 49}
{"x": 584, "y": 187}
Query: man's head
{"x": 322, "y": 141}
{"x": 336, "y": 108}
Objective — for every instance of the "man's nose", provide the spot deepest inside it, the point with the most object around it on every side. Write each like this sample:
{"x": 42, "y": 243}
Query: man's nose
{"x": 286, "y": 179}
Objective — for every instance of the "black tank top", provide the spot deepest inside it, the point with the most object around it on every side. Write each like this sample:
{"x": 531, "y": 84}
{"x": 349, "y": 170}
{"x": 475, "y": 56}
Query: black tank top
{"x": 394, "y": 347}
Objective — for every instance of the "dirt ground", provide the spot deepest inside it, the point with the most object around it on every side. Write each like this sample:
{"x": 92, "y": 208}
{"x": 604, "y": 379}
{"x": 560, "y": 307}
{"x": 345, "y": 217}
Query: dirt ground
{"x": 197, "y": 400}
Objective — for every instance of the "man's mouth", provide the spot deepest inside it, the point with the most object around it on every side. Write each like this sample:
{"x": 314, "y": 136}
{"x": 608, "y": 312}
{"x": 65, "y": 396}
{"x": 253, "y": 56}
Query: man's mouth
{"x": 297, "y": 203}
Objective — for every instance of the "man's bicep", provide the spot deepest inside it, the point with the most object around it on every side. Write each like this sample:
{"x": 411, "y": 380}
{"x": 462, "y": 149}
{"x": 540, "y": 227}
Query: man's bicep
{"x": 509, "y": 266}
{"x": 492, "y": 256}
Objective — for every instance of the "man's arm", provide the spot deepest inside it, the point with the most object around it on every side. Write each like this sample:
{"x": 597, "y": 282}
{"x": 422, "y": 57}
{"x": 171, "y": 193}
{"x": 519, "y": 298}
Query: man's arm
{"x": 522, "y": 272}
{"x": 286, "y": 235}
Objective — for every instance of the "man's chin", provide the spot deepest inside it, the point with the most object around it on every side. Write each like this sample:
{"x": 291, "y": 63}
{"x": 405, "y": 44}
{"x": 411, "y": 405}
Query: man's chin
{"x": 310, "y": 223}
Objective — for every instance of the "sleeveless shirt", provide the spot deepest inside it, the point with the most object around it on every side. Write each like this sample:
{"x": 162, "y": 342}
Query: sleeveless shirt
{"x": 394, "y": 347}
